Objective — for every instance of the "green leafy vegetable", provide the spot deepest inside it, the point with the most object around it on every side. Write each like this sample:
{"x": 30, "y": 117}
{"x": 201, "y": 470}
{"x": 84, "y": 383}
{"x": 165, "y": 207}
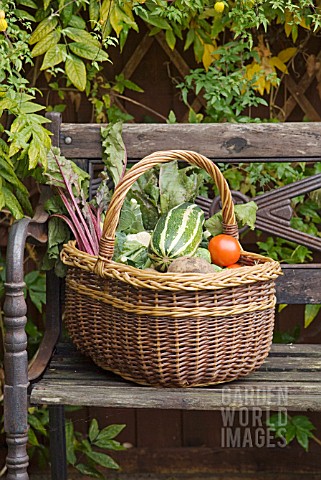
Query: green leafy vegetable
{"x": 245, "y": 216}
{"x": 177, "y": 186}
{"x": 131, "y": 220}
{"x": 114, "y": 153}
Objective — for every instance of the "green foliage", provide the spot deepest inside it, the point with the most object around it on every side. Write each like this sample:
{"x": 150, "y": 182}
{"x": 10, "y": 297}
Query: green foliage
{"x": 245, "y": 216}
{"x": 286, "y": 337}
{"x": 36, "y": 287}
{"x": 82, "y": 453}
{"x": 114, "y": 153}
{"x": 297, "y": 427}
{"x": 224, "y": 85}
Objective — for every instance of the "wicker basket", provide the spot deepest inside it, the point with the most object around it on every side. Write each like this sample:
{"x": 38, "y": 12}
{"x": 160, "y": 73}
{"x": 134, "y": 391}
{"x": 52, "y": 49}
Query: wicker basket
{"x": 170, "y": 329}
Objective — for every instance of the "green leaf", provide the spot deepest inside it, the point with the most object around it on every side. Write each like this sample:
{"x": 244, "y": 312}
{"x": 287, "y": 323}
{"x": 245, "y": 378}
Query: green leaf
{"x": 22, "y": 14}
{"x": 246, "y": 214}
{"x": 36, "y": 424}
{"x": 189, "y": 38}
{"x": 43, "y": 29}
{"x": 73, "y": 175}
{"x": 310, "y": 313}
{"x": 8, "y": 173}
{"x": 214, "y": 224}
{"x": 109, "y": 444}
{"x": 77, "y": 22}
{"x": 171, "y": 117}
{"x": 58, "y": 233}
{"x": 36, "y": 286}
{"x": 88, "y": 51}
{"x": 55, "y": 55}
{"x": 28, "y": 3}
{"x": 290, "y": 432}
{"x": 110, "y": 432}
{"x": 146, "y": 192}
{"x": 287, "y": 337}
{"x": 93, "y": 430}
{"x": 93, "y": 12}
{"x": 178, "y": 185}
{"x": 155, "y": 20}
{"x": 66, "y": 10}
{"x": 131, "y": 220}
{"x": 122, "y": 83}
{"x": 88, "y": 470}
{"x": 114, "y": 155}
{"x": 105, "y": 10}
{"x": 170, "y": 39}
{"x": 70, "y": 448}
{"x": 2, "y": 203}
{"x": 82, "y": 36}
{"x": 33, "y": 152}
{"x": 12, "y": 203}
{"x": 194, "y": 117}
{"x": 302, "y": 422}
{"x": 30, "y": 107}
{"x": 43, "y": 46}
{"x": 198, "y": 48}
{"x": 32, "y": 438}
{"x": 303, "y": 439}
{"x": 102, "y": 459}
{"x": 76, "y": 72}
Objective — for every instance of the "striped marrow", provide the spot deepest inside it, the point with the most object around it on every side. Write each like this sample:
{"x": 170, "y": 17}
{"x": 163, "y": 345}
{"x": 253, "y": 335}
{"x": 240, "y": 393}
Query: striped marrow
{"x": 177, "y": 233}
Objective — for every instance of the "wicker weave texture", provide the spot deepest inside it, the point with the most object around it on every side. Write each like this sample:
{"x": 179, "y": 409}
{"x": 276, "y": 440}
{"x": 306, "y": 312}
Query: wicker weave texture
{"x": 171, "y": 351}
{"x": 170, "y": 330}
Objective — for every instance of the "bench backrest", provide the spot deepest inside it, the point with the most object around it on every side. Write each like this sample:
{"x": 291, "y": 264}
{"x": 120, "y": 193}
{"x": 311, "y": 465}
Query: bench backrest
{"x": 223, "y": 143}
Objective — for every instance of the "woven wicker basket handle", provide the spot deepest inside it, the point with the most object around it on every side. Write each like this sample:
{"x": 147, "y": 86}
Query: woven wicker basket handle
{"x": 107, "y": 241}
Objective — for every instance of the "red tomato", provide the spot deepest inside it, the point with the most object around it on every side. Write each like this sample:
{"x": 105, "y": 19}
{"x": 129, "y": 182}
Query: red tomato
{"x": 224, "y": 249}
{"x": 234, "y": 265}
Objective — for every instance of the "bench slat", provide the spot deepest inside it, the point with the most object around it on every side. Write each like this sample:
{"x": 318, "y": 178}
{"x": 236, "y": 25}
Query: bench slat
{"x": 294, "y": 141}
{"x": 74, "y": 380}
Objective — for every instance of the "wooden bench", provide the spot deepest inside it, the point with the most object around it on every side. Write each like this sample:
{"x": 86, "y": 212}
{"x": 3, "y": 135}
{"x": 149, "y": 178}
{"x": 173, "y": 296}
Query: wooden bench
{"x": 61, "y": 376}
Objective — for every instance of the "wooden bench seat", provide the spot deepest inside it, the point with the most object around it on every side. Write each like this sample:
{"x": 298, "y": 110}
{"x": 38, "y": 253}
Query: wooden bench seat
{"x": 290, "y": 377}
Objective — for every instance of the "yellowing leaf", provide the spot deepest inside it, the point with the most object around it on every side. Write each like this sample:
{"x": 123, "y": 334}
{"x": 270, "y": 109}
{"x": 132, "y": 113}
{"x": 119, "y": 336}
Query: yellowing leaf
{"x": 286, "y": 54}
{"x": 276, "y": 62}
{"x": 260, "y": 84}
{"x": 105, "y": 10}
{"x": 54, "y": 56}
{"x": 43, "y": 46}
{"x": 252, "y": 70}
{"x": 310, "y": 313}
{"x": 33, "y": 154}
{"x": 79, "y": 35}
{"x": 303, "y": 24}
{"x": 116, "y": 19}
{"x": 170, "y": 39}
{"x": 208, "y": 57}
{"x": 91, "y": 52}
{"x": 44, "y": 27}
{"x": 287, "y": 24}
{"x": 93, "y": 12}
{"x": 127, "y": 16}
{"x": 255, "y": 72}
{"x": 76, "y": 72}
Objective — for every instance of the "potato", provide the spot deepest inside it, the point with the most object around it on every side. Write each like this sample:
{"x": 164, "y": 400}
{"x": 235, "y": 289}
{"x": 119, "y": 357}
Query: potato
{"x": 190, "y": 265}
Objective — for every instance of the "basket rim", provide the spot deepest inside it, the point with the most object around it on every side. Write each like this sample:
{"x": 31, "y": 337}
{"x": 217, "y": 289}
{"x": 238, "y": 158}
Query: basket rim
{"x": 267, "y": 269}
